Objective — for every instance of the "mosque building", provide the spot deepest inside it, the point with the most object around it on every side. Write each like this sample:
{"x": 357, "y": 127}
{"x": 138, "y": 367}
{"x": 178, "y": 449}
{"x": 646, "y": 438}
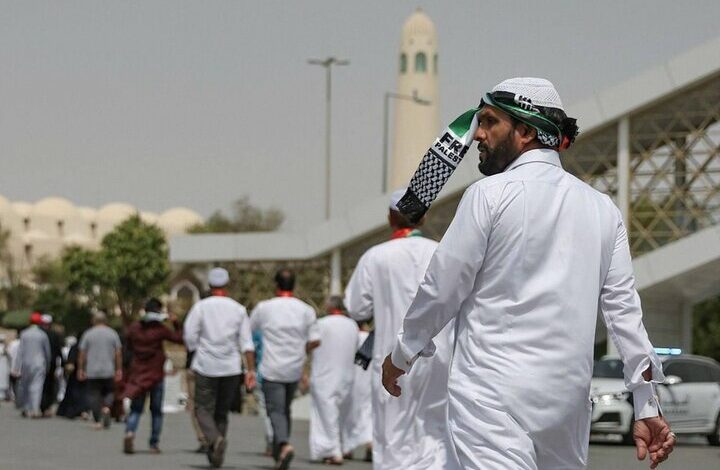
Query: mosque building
{"x": 45, "y": 228}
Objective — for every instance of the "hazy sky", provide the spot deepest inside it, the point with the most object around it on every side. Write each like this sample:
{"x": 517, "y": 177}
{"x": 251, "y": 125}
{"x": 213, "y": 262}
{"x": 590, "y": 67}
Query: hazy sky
{"x": 178, "y": 103}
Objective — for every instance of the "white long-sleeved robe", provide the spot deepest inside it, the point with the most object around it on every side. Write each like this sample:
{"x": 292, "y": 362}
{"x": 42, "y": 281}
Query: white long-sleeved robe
{"x": 32, "y": 363}
{"x": 331, "y": 382}
{"x": 409, "y": 432}
{"x": 530, "y": 257}
{"x": 357, "y": 429}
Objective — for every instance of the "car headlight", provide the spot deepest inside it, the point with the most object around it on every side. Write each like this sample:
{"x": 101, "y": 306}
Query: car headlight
{"x": 619, "y": 396}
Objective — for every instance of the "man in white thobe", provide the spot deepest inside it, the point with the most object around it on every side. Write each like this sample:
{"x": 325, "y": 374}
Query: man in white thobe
{"x": 528, "y": 260}
{"x": 31, "y": 364}
{"x": 357, "y": 428}
{"x": 410, "y": 432}
{"x": 331, "y": 383}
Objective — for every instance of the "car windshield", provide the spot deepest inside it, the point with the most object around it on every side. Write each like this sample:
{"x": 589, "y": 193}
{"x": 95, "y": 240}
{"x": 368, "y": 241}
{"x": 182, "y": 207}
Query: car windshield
{"x": 608, "y": 369}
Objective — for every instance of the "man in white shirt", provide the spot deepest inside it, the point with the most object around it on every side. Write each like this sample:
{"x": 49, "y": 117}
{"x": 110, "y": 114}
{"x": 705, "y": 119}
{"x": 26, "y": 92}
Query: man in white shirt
{"x": 331, "y": 383}
{"x": 410, "y": 432}
{"x": 289, "y": 329}
{"x": 217, "y": 330}
{"x": 530, "y": 257}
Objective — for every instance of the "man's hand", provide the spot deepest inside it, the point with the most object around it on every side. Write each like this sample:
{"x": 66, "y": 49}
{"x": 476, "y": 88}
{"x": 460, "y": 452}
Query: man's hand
{"x": 304, "y": 384}
{"x": 653, "y": 436}
{"x": 81, "y": 375}
{"x": 250, "y": 380}
{"x": 390, "y": 376}
{"x": 118, "y": 375}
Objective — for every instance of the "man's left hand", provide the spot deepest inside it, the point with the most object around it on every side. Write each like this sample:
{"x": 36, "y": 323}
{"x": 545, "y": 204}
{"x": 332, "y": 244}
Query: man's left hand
{"x": 390, "y": 376}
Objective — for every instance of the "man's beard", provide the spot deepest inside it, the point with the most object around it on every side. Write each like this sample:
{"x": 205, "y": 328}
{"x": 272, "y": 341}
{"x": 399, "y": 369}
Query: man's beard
{"x": 497, "y": 159}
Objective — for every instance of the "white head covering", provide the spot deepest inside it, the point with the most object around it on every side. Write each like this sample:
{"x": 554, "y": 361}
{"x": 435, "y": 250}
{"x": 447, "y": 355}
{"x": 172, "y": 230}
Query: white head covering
{"x": 395, "y": 198}
{"x": 154, "y": 316}
{"x": 218, "y": 277}
{"x": 70, "y": 341}
{"x": 47, "y": 319}
{"x": 540, "y": 91}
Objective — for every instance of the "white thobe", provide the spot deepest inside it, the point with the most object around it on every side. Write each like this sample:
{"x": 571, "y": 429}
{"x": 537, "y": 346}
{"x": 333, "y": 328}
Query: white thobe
{"x": 357, "y": 429}
{"x": 528, "y": 260}
{"x": 4, "y": 372}
{"x": 32, "y": 362}
{"x": 409, "y": 432}
{"x": 331, "y": 382}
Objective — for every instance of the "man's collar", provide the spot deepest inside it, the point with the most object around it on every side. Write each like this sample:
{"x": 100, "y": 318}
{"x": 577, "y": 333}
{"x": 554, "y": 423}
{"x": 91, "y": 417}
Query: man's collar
{"x": 537, "y": 155}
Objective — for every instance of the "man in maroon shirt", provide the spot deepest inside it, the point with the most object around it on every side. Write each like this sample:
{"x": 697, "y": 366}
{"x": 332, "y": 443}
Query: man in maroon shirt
{"x": 145, "y": 343}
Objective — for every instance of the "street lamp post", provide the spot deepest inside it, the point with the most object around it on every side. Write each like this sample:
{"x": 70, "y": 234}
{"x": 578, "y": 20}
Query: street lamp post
{"x": 386, "y": 111}
{"x": 328, "y": 63}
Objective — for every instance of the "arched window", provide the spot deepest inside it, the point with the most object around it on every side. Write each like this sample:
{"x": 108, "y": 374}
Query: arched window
{"x": 420, "y": 62}
{"x": 435, "y": 64}
{"x": 403, "y": 63}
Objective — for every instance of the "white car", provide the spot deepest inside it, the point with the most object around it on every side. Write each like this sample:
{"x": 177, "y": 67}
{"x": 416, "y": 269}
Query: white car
{"x": 689, "y": 398}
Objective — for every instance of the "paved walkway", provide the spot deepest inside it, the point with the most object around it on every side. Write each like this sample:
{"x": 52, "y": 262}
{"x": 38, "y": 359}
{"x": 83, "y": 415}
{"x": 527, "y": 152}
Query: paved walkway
{"x": 59, "y": 444}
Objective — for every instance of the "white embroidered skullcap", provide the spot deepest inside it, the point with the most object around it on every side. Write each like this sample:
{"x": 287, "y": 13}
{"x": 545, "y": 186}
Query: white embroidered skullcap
{"x": 539, "y": 90}
{"x": 47, "y": 319}
{"x": 395, "y": 198}
{"x": 218, "y": 277}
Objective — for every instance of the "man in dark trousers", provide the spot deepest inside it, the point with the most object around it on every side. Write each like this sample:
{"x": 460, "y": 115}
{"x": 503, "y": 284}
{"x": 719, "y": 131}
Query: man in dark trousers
{"x": 217, "y": 329}
{"x": 146, "y": 376}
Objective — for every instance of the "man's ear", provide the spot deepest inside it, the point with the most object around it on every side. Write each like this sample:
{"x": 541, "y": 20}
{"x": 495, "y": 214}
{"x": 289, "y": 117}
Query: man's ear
{"x": 526, "y": 133}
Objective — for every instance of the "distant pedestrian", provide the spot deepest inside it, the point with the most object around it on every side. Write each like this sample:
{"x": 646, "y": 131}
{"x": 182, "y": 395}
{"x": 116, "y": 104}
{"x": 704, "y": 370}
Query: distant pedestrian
{"x": 50, "y": 386}
{"x": 31, "y": 366}
{"x": 357, "y": 429}
{"x": 217, "y": 330}
{"x": 100, "y": 364}
{"x": 144, "y": 340}
{"x": 4, "y": 370}
{"x": 74, "y": 403}
{"x": 331, "y": 383}
{"x": 260, "y": 397}
{"x": 289, "y": 329}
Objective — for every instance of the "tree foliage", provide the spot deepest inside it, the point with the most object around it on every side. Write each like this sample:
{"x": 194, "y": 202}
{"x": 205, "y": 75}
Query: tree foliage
{"x": 706, "y": 328}
{"x": 132, "y": 264}
{"x": 245, "y": 218}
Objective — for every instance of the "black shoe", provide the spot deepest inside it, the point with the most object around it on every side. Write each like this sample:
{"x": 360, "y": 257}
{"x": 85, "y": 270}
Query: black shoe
{"x": 216, "y": 454}
{"x": 286, "y": 456}
{"x": 106, "y": 419}
{"x": 128, "y": 447}
{"x": 203, "y": 449}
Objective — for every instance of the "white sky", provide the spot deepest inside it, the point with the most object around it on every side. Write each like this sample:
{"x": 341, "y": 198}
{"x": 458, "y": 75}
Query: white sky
{"x": 178, "y": 103}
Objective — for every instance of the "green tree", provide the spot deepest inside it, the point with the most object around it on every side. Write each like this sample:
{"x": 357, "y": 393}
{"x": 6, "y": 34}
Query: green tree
{"x": 134, "y": 264}
{"x": 706, "y": 328}
{"x": 245, "y": 218}
{"x": 15, "y": 294}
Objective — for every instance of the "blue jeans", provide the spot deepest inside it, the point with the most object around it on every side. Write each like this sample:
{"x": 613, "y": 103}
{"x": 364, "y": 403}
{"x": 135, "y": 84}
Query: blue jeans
{"x": 136, "y": 409}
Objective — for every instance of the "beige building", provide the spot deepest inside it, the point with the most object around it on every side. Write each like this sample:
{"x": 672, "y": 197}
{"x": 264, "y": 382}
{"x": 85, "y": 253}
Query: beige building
{"x": 45, "y": 228}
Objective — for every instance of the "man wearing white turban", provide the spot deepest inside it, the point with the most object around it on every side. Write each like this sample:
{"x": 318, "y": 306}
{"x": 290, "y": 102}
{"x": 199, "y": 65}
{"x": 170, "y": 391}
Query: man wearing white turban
{"x": 411, "y": 432}
{"x": 528, "y": 260}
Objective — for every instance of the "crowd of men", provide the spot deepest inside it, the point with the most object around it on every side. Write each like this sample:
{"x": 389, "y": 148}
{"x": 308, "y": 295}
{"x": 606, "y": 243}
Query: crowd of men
{"x": 469, "y": 334}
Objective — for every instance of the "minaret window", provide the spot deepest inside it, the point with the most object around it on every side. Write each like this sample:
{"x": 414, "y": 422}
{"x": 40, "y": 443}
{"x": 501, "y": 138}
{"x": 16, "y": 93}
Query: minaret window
{"x": 435, "y": 64}
{"x": 403, "y": 63}
{"x": 420, "y": 62}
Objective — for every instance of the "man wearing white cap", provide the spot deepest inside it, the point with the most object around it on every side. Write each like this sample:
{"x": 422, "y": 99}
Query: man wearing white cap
{"x": 409, "y": 432}
{"x": 217, "y": 330}
{"x": 530, "y": 257}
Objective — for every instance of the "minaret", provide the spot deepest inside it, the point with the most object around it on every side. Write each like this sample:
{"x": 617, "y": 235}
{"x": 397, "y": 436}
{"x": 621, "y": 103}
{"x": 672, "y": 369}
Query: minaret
{"x": 416, "y": 125}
